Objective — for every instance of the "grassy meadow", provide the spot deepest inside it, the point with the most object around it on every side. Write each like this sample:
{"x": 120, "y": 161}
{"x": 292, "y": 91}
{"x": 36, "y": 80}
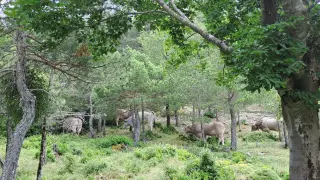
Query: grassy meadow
{"x": 166, "y": 155}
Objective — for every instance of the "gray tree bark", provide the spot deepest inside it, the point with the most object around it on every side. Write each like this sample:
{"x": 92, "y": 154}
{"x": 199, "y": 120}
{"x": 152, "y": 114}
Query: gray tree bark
{"x": 91, "y": 117}
{"x": 239, "y": 122}
{"x": 231, "y": 97}
{"x": 285, "y": 136}
{"x": 176, "y": 117}
{"x": 27, "y": 101}
{"x": 136, "y": 127}
{"x": 9, "y": 132}
{"x": 104, "y": 126}
{"x": 99, "y": 123}
{"x": 142, "y": 120}
{"x": 1, "y": 162}
{"x": 43, "y": 151}
{"x": 193, "y": 113}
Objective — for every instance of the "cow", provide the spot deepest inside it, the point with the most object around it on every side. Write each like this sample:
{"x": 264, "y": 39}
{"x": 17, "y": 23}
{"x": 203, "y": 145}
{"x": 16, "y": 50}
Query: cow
{"x": 122, "y": 114}
{"x": 214, "y": 128}
{"x": 73, "y": 124}
{"x": 266, "y": 124}
{"x": 149, "y": 117}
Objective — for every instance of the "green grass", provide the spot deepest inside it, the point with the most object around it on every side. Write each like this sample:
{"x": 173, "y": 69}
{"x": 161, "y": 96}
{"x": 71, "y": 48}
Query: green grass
{"x": 85, "y": 158}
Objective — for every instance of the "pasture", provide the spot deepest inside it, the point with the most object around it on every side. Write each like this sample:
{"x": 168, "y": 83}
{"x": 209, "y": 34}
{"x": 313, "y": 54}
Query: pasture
{"x": 166, "y": 155}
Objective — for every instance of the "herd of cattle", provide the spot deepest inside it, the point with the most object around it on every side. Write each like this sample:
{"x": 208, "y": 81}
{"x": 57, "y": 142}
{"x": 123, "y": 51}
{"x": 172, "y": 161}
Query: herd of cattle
{"x": 74, "y": 124}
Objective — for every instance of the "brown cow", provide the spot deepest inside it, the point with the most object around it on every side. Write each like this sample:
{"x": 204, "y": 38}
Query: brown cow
{"x": 212, "y": 129}
{"x": 122, "y": 114}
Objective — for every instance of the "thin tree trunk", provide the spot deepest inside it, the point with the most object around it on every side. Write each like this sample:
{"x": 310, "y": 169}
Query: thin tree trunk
{"x": 91, "y": 117}
{"x": 136, "y": 127}
{"x": 176, "y": 117}
{"x": 99, "y": 123}
{"x": 233, "y": 121}
{"x": 239, "y": 122}
{"x": 168, "y": 114}
{"x": 27, "y": 102}
{"x": 279, "y": 128}
{"x": 216, "y": 112}
{"x": 9, "y": 133}
{"x": 193, "y": 113}
{"x": 202, "y": 132}
{"x": 285, "y": 136}
{"x": 42, "y": 159}
{"x": 142, "y": 121}
{"x": 104, "y": 126}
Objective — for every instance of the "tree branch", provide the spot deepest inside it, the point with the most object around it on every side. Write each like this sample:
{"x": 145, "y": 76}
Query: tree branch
{"x": 43, "y": 60}
{"x": 209, "y": 37}
{"x": 178, "y": 10}
{"x": 313, "y": 5}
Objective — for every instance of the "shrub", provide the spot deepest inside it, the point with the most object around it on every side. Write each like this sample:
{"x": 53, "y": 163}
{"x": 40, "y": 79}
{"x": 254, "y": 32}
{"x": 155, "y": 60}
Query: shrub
{"x": 114, "y": 140}
{"x": 284, "y": 175}
{"x": 70, "y": 164}
{"x": 76, "y": 151}
{"x": 264, "y": 174}
{"x": 157, "y": 152}
{"x": 203, "y": 170}
{"x": 132, "y": 167}
{"x": 238, "y": 157}
{"x": 172, "y": 173}
{"x": 167, "y": 129}
{"x": 63, "y": 148}
{"x": 94, "y": 168}
{"x": 152, "y": 135}
{"x": 49, "y": 155}
{"x": 259, "y": 137}
{"x": 210, "y": 114}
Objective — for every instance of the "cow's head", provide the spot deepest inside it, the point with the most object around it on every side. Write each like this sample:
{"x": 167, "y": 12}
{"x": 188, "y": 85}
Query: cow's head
{"x": 254, "y": 128}
{"x": 188, "y": 129}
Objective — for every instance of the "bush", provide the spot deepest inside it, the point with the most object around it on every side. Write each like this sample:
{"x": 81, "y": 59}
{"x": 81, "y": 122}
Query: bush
{"x": 157, "y": 152}
{"x": 264, "y": 174}
{"x": 210, "y": 114}
{"x": 114, "y": 140}
{"x": 152, "y": 135}
{"x": 238, "y": 157}
{"x": 63, "y": 148}
{"x": 94, "y": 168}
{"x": 132, "y": 167}
{"x": 284, "y": 175}
{"x": 49, "y": 155}
{"x": 172, "y": 173}
{"x": 167, "y": 129}
{"x": 259, "y": 137}
{"x": 70, "y": 164}
{"x": 76, "y": 151}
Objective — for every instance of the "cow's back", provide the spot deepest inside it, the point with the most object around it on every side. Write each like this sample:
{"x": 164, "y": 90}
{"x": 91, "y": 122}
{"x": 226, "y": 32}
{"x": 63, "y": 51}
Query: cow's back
{"x": 270, "y": 123}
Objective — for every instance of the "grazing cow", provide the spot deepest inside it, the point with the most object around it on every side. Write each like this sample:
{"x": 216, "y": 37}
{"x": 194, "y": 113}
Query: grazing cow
{"x": 122, "y": 114}
{"x": 149, "y": 117}
{"x": 73, "y": 124}
{"x": 266, "y": 124}
{"x": 214, "y": 128}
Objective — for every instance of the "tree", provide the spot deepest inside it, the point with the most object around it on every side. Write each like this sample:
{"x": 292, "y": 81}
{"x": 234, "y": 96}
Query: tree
{"x": 272, "y": 53}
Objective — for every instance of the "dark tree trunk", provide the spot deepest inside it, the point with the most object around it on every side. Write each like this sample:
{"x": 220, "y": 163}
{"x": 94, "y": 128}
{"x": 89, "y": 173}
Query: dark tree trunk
{"x": 168, "y": 114}
{"x": 285, "y": 136}
{"x": 1, "y": 162}
{"x": 136, "y": 127}
{"x": 99, "y": 123}
{"x": 142, "y": 121}
{"x": 231, "y": 97}
{"x": 216, "y": 112}
{"x": 91, "y": 117}
{"x": 27, "y": 102}
{"x": 104, "y": 126}
{"x": 42, "y": 159}
{"x": 202, "y": 132}
{"x": 9, "y": 132}
{"x": 199, "y": 112}
{"x": 176, "y": 117}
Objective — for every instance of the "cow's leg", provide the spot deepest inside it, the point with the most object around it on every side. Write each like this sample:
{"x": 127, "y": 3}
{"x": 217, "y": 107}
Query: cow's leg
{"x": 221, "y": 139}
{"x": 151, "y": 125}
{"x": 117, "y": 121}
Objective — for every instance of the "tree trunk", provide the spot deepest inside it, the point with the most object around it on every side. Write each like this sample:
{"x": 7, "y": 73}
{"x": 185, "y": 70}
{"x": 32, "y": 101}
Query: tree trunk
{"x": 168, "y": 114}
{"x": 239, "y": 122}
{"x": 27, "y": 102}
{"x": 216, "y": 112}
{"x": 136, "y": 127}
{"x": 104, "y": 126}
{"x": 233, "y": 121}
{"x": 142, "y": 121}
{"x": 176, "y": 117}
{"x": 193, "y": 113}
{"x": 1, "y": 162}
{"x": 43, "y": 154}
{"x": 285, "y": 136}
{"x": 303, "y": 129}
{"x": 9, "y": 133}
{"x": 91, "y": 117}
{"x": 99, "y": 123}
{"x": 279, "y": 128}
{"x": 202, "y": 132}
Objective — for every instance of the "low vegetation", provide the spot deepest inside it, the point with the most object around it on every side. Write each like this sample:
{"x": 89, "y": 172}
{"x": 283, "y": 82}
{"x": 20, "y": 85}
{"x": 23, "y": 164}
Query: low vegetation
{"x": 114, "y": 157}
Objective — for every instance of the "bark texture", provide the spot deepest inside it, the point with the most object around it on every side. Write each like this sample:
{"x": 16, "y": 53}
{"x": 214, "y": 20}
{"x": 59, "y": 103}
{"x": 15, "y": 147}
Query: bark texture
{"x": 27, "y": 101}
{"x": 233, "y": 121}
{"x": 43, "y": 150}
{"x": 136, "y": 127}
{"x": 91, "y": 117}
{"x": 9, "y": 133}
{"x": 142, "y": 120}
{"x": 168, "y": 114}
{"x": 285, "y": 136}
{"x": 176, "y": 117}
